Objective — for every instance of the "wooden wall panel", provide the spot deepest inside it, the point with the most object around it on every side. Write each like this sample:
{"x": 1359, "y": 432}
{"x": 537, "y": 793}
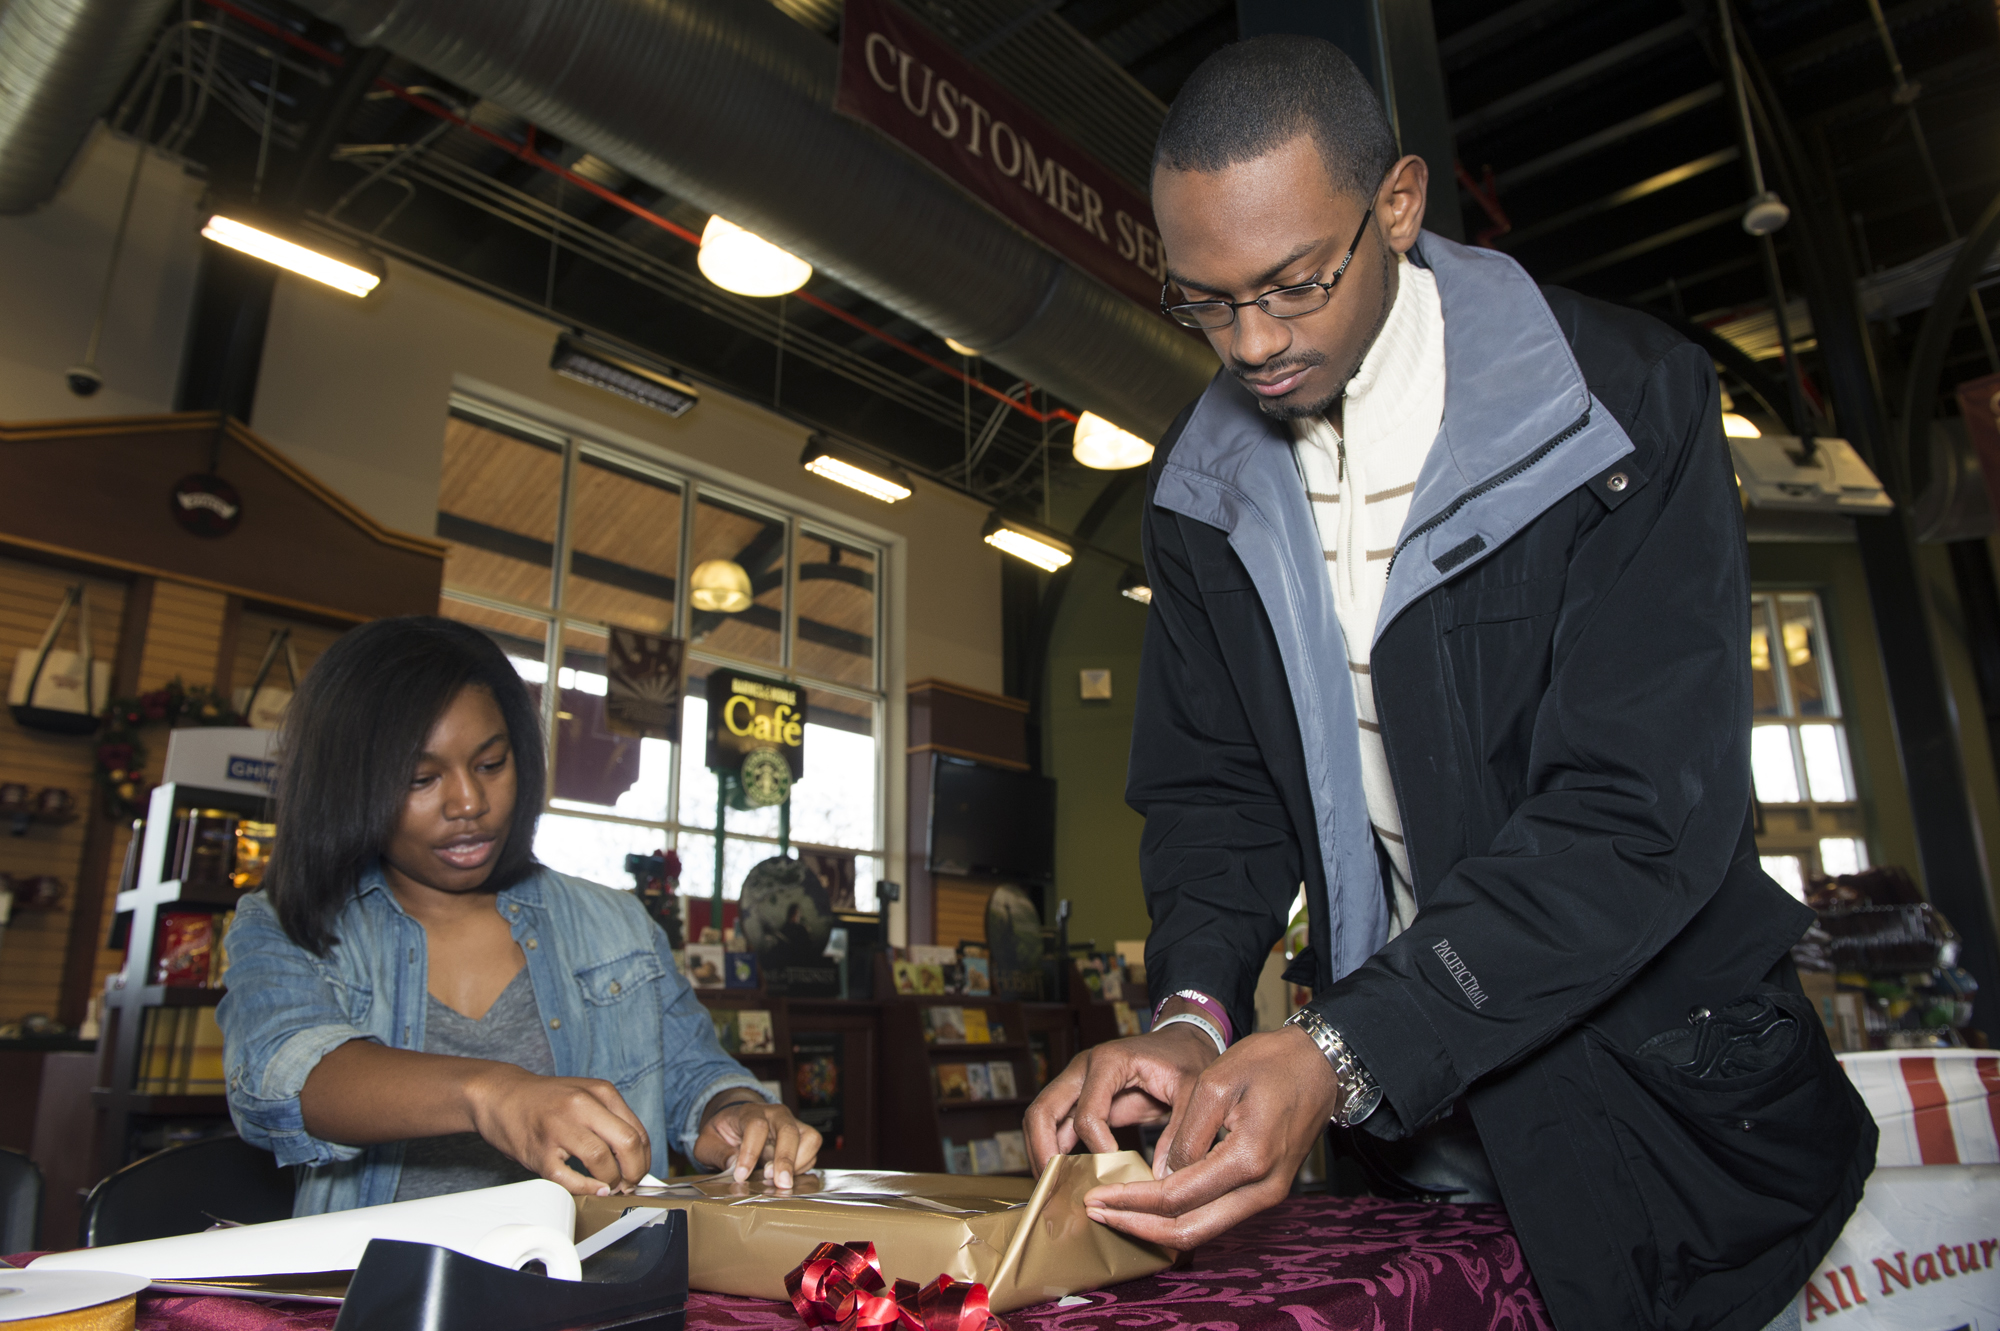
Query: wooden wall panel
{"x": 961, "y": 910}
{"x": 32, "y": 950}
{"x": 253, "y": 635}
{"x": 185, "y": 635}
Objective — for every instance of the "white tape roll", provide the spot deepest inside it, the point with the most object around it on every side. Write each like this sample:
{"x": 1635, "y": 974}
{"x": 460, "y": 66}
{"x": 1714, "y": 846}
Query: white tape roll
{"x": 514, "y": 1246}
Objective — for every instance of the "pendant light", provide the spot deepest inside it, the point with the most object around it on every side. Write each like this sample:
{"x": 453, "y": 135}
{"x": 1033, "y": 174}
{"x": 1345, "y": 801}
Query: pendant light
{"x": 1100, "y": 444}
{"x": 749, "y": 265}
{"x": 720, "y": 585}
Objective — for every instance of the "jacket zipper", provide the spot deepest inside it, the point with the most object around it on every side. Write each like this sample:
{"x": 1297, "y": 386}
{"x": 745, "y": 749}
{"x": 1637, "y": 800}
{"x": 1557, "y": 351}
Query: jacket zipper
{"x": 1575, "y": 427}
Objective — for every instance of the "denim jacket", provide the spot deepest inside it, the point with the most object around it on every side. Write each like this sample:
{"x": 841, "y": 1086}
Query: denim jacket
{"x": 614, "y": 1005}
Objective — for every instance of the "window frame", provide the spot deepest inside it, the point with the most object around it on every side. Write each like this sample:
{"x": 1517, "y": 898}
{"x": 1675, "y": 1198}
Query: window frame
{"x": 573, "y": 445}
{"x": 1796, "y": 828}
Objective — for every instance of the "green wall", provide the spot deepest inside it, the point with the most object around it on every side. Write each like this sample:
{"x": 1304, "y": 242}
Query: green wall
{"x": 1085, "y": 745}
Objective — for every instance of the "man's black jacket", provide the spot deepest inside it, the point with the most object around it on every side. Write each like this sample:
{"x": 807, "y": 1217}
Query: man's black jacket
{"x": 1562, "y": 676}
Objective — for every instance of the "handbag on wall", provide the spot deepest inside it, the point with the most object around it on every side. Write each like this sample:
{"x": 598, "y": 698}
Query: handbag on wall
{"x": 61, "y": 691}
{"x": 263, "y": 705}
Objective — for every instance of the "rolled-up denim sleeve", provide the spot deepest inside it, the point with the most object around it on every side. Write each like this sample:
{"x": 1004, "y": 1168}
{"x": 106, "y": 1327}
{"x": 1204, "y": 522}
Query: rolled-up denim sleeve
{"x": 279, "y": 1019}
{"x": 697, "y": 1069}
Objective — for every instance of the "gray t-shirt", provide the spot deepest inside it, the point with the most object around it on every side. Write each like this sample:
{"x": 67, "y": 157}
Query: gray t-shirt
{"x": 510, "y": 1032}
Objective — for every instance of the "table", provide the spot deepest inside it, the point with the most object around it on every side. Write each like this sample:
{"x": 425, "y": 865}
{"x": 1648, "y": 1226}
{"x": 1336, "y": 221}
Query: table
{"x": 1308, "y": 1264}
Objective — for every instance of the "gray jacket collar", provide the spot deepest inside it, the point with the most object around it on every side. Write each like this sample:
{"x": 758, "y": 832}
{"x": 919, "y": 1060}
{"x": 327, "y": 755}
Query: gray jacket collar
{"x": 1520, "y": 430}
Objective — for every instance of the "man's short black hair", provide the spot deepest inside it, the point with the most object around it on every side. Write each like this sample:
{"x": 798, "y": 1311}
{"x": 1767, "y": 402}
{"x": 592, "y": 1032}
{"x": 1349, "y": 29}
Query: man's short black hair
{"x": 1257, "y": 95}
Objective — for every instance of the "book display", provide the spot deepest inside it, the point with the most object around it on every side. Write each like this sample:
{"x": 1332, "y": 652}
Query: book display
{"x": 160, "y": 1059}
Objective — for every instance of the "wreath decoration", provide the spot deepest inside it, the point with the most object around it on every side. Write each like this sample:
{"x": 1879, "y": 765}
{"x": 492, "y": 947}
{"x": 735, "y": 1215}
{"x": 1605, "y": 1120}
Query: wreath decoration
{"x": 121, "y": 752}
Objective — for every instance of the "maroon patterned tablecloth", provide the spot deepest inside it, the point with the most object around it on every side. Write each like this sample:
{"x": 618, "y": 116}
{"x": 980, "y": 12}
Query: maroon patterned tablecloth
{"x": 1309, "y": 1264}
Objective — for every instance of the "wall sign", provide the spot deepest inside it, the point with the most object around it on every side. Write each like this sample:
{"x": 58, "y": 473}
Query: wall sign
{"x": 900, "y": 77}
{"x": 756, "y": 729}
{"x": 206, "y": 505}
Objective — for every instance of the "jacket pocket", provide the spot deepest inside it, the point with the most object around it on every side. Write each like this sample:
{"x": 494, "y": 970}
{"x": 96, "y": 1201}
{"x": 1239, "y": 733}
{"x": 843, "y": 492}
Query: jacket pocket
{"x": 1727, "y": 1167}
{"x": 621, "y": 981}
{"x": 622, "y": 1003}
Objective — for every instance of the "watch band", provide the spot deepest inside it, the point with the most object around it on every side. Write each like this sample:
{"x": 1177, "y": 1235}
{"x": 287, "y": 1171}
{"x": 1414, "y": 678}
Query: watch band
{"x": 1195, "y": 1019}
{"x": 1216, "y": 1012}
{"x": 1362, "y": 1094}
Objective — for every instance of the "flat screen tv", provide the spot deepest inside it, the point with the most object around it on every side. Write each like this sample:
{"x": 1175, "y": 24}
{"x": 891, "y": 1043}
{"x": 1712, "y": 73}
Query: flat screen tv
{"x": 990, "y": 822}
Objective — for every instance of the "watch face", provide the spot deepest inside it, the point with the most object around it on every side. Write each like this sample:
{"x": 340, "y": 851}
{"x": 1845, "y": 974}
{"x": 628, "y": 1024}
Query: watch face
{"x": 1360, "y": 1105}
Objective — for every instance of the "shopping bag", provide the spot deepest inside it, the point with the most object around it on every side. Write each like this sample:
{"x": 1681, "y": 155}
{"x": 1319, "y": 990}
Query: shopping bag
{"x": 263, "y": 705}
{"x": 61, "y": 691}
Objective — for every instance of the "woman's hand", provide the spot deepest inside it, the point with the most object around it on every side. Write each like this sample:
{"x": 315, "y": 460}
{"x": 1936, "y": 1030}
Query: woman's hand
{"x": 741, "y": 1133}
{"x": 544, "y": 1122}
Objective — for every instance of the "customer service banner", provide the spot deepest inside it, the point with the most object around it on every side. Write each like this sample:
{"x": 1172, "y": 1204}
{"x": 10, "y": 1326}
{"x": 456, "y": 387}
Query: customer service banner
{"x": 900, "y": 77}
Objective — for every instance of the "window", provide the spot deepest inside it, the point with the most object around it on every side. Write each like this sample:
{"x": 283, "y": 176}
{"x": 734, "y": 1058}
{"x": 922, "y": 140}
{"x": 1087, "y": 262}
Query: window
{"x": 554, "y": 537}
{"x": 1811, "y": 812}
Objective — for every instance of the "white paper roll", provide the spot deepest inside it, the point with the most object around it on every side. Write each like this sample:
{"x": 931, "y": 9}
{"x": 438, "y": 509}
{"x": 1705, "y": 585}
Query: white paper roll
{"x": 461, "y": 1221}
{"x": 514, "y": 1246}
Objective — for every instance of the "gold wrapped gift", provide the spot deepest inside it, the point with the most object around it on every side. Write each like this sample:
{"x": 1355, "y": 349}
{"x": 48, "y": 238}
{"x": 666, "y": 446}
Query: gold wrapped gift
{"x": 1026, "y": 1241}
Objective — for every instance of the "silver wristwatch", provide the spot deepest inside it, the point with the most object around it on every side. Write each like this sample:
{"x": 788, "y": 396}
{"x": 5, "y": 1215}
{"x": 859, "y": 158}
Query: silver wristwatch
{"x": 1363, "y": 1094}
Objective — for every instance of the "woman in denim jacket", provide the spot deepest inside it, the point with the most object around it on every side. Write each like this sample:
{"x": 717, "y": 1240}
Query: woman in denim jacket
{"x": 415, "y": 1005}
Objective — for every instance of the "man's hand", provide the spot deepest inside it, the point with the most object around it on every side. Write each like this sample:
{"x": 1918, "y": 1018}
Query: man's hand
{"x": 1268, "y": 1099}
{"x": 1135, "y": 1080}
{"x": 742, "y": 1133}
{"x": 545, "y": 1121}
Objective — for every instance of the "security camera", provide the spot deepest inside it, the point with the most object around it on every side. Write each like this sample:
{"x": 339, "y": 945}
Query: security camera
{"x": 1766, "y": 214}
{"x": 84, "y": 380}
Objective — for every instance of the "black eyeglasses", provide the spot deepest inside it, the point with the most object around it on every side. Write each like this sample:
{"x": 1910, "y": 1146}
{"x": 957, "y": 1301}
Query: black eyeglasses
{"x": 1283, "y": 303}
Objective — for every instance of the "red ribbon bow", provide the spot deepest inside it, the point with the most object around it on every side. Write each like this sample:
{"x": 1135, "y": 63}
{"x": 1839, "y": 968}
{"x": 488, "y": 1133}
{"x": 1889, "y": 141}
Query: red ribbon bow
{"x": 841, "y": 1285}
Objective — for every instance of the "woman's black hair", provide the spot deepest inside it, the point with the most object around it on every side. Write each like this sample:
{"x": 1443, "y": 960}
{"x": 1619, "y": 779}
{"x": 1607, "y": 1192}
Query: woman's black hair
{"x": 352, "y": 736}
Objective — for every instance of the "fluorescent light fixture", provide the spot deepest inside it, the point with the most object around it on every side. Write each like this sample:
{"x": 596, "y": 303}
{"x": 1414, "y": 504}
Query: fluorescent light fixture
{"x": 961, "y": 348}
{"x": 855, "y": 470}
{"x": 1135, "y": 587}
{"x": 1100, "y": 444}
{"x": 625, "y": 375}
{"x": 1027, "y": 540}
{"x": 1739, "y": 427}
{"x": 1833, "y": 480}
{"x": 338, "y": 267}
{"x": 749, "y": 265}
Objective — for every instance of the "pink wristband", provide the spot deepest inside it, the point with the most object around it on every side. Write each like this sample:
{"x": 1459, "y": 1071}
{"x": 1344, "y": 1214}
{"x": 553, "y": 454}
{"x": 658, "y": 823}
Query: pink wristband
{"x": 1210, "y": 1008}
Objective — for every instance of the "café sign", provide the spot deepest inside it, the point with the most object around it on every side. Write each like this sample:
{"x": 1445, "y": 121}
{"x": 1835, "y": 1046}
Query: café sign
{"x": 756, "y": 729}
{"x": 900, "y": 77}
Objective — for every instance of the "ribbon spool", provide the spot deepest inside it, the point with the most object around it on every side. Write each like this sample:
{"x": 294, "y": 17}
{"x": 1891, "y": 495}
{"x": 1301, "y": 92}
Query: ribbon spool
{"x": 841, "y": 1285}
{"x": 117, "y": 1315}
{"x": 68, "y": 1300}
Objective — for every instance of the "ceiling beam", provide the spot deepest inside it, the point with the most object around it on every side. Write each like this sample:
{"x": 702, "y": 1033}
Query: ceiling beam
{"x": 1659, "y": 240}
{"x": 1589, "y": 67}
{"x": 1604, "y": 203}
{"x": 1604, "y": 138}
{"x": 1475, "y": 39}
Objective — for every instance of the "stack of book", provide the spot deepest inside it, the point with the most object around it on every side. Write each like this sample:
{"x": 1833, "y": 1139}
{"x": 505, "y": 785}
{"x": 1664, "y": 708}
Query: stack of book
{"x": 961, "y": 1025}
{"x": 743, "y": 1030}
{"x": 180, "y": 1052}
{"x": 957, "y": 1082}
{"x": 1002, "y": 1153}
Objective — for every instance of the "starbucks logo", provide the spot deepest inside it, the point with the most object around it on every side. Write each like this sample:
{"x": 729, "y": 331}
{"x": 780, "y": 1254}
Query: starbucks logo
{"x": 766, "y": 778}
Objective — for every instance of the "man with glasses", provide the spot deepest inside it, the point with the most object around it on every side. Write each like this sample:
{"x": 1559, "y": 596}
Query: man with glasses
{"x": 1448, "y": 632}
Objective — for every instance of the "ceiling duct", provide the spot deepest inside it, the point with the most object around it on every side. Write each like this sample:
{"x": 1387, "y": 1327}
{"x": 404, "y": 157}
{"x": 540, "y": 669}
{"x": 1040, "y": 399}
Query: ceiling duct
{"x": 61, "y": 62}
{"x": 729, "y": 105}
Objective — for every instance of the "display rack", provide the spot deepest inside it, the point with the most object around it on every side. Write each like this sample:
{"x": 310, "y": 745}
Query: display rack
{"x": 124, "y": 1112}
{"x": 915, "y": 1120}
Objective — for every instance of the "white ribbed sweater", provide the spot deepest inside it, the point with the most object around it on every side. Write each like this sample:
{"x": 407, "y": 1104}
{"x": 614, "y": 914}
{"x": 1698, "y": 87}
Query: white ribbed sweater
{"x": 1360, "y": 487}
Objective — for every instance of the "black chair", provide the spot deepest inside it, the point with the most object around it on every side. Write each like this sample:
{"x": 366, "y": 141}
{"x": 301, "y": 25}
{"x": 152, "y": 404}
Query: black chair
{"x": 186, "y": 1189}
{"x": 20, "y": 1201}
